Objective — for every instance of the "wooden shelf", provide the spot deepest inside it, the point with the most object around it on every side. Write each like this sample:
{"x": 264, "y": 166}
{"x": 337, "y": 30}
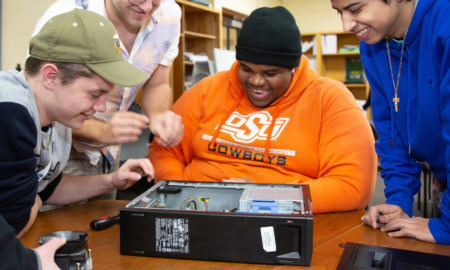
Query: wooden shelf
{"x": 200, "y": 34}
{"x": 188, "y": 34}
{"x": 349, "y": 85}
{"x": 333, "y": 65}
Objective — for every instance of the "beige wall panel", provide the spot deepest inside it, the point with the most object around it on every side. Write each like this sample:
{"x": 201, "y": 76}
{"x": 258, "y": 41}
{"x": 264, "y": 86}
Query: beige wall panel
{"x": 20, "y": 16}
{"x": 18, "y": 20}
{"x": 311, "y": 15}
{"x": 244, "y": 6}
{"x": 314, "y": 15}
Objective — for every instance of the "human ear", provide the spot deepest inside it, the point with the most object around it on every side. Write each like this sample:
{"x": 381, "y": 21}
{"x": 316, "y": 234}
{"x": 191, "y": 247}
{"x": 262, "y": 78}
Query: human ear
{"x": 49, "y": 74}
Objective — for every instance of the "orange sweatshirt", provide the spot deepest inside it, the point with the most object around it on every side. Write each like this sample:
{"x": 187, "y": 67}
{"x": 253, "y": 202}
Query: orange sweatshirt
{"x": 319, "y": 137}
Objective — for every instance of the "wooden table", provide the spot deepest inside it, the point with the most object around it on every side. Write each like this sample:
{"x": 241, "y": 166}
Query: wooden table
{"x": 330, "y": 230}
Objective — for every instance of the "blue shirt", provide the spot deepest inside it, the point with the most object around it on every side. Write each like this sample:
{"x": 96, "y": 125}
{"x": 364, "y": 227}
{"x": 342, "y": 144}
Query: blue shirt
{"x": 420, "y": 130}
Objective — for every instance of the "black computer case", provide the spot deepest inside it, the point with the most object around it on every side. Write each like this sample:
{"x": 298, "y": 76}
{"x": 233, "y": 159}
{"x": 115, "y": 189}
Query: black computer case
{"x": 234, "y": 222}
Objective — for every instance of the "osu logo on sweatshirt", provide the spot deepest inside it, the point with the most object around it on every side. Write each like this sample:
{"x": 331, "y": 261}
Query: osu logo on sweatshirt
{"x": 254, "y": 126}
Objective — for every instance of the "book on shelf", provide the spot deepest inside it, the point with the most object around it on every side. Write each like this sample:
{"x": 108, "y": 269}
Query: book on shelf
{"x": 329, "y": 44}
{"x": 202, "y": 2}
{"x": 349, "y": 49}
{"x": 354, "y": 70}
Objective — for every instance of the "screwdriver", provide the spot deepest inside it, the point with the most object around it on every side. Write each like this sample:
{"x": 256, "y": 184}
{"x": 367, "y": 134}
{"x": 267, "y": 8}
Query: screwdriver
{"x": 105, "y": 222}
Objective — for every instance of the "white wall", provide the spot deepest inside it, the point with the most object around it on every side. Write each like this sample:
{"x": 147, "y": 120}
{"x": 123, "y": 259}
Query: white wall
{"x": 310, "y": 15}
{"x": 314, "y": 15}
{"x": 20, "y": 16}
{"x": 244, "y": 6}
{"x": 18, "y": 21}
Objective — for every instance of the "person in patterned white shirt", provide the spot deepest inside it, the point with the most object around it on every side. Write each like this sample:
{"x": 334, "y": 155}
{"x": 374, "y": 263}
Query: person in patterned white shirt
{"x": 149, "y": 32}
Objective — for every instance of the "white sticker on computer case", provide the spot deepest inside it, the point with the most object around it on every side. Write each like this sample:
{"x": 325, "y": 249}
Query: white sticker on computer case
{"x": 268, "y": 239}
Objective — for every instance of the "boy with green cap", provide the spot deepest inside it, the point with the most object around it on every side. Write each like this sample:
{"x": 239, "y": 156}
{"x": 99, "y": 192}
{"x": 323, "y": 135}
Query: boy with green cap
{"x": 149, "y": 32}
{"x": 75, "y": 60}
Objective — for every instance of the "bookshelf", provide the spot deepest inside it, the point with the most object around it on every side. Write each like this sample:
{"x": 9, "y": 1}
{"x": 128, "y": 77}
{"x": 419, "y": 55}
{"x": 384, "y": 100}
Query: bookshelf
{"x": 200, "y": 33}
{"x": 332, "y": 63}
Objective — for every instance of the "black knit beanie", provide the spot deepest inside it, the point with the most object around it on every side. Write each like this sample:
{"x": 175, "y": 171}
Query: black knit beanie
{"x": 270, "y": 36}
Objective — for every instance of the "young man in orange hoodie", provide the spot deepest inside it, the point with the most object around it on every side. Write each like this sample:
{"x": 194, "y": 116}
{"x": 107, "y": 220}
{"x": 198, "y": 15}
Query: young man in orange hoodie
{"x": 271, "y": 119}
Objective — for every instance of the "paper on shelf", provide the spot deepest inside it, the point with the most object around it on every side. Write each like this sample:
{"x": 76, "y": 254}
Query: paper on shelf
{"x": 329, "y": 43}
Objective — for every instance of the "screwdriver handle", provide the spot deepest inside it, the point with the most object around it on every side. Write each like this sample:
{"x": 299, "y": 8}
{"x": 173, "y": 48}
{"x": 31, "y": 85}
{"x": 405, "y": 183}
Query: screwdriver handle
{"x": 105, "y": 222}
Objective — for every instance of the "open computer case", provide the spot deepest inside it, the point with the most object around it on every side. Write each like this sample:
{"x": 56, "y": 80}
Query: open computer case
{"x": 234, "y": 222}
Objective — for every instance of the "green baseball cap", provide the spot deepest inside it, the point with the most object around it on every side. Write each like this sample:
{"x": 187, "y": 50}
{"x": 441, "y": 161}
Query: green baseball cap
{"x": 85, "y": 37}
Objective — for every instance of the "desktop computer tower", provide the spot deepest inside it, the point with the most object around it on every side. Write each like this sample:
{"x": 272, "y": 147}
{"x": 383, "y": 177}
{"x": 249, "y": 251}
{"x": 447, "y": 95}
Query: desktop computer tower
{"x": 234, "y": 222}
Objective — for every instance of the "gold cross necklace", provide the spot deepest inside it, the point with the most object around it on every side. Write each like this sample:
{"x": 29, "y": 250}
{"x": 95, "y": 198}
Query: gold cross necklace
{"x": 396, "y": 99}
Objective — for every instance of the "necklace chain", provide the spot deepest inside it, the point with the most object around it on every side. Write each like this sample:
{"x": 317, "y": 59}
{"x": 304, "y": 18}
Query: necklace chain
{"x": 396, "y": 99}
